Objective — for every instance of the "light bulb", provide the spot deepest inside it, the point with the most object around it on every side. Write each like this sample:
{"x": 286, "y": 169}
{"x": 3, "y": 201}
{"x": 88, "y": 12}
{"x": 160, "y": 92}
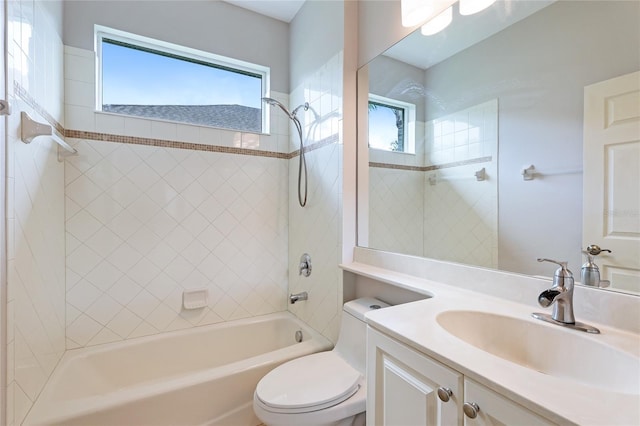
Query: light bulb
{"x": 438, "y": 23}
{"x": 415, "y": 12}
{"x": 469, "y": 7}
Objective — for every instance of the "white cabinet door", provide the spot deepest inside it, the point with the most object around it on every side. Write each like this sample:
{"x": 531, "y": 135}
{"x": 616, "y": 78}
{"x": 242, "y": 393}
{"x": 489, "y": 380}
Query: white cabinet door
{"x": 494, "y": 409}
{"x": 611, "y": 178}
{"x": 402, "y": 386}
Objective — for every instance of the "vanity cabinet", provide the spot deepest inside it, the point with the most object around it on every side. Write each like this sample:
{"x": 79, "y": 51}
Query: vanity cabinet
{"x": 495, "y": 409}
{"x": 407, "y": 388}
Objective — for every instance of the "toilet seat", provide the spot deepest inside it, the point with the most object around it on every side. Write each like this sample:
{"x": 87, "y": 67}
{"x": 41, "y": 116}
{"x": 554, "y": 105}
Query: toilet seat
{"x": 310, "y": 383}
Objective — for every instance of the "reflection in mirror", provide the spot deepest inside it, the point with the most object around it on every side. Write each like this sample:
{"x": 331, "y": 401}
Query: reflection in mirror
{"x": 494, "y": 94}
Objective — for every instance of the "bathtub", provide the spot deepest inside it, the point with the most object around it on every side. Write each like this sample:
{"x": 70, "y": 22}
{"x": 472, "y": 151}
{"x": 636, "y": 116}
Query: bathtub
{"x": 201, "y": 376}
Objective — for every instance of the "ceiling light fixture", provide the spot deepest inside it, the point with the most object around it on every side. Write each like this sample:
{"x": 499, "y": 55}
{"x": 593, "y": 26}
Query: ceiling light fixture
{"x": 414, "y": 12}
{"x": 438, "y": 23}
{"x": 469, "y": 7}
{"x": 437, "y": 14}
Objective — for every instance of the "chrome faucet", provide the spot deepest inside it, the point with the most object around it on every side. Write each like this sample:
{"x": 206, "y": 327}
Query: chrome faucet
{"x": 293, "y": 298}
{"x": 560, "y": 295}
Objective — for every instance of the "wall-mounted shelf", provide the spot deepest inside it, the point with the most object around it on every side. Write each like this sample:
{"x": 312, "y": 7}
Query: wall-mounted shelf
{"x": 31, "y": 129}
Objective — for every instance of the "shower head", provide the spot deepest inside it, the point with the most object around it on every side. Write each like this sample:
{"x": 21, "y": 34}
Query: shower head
{"x": 291, "y": 115}
{"x": 274, "y": 102}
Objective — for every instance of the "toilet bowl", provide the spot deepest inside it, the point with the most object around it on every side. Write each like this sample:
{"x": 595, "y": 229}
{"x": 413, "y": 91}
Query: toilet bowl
{"x": 325, "y": 388}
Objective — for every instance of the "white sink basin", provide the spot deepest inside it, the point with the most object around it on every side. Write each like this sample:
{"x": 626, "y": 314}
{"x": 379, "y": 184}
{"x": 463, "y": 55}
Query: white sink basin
{"x": 562, "y": 353}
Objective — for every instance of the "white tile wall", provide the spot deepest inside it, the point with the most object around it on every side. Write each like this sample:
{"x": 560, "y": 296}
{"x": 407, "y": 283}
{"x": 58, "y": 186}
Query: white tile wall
{"x": 35, "y": 210}
{"x": 315, "y": 229}
{"x": 464, "y": 135}
{"x": 396, "y": 207}
{"x": 460, "y": 213}
{"x": 145, "y": 223}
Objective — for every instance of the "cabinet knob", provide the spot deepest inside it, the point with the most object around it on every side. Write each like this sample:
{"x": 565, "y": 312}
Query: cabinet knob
{"x": 444, "y": 394}
{"x": 471, "y": 409}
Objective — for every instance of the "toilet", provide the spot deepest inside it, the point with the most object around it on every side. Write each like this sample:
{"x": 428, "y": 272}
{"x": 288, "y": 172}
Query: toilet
{"x": 325, "y": 388}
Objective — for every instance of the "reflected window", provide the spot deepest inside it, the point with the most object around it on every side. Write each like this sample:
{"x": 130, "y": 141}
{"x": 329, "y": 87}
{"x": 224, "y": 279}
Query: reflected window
{"x": 391, "y": 124}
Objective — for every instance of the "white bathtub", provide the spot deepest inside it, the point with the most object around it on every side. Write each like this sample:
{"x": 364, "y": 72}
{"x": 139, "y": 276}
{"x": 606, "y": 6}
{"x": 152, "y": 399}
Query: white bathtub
{"x": 201, "y": 376}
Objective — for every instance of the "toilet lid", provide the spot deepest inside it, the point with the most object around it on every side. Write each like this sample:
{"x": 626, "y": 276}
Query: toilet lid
{"x": 315, "y": 381}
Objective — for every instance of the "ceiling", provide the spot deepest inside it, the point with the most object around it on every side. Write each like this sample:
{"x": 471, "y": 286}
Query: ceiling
{"x": 283, "y": 10}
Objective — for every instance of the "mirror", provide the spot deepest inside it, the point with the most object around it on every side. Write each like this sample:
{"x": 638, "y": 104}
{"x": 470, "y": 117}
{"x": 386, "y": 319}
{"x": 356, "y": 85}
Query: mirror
{"x": 473, "y": 138}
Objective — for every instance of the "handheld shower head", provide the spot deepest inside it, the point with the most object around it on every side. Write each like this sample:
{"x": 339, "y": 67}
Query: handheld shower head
{"x": 302, "y": 165}
{"x": 277, "y": 103}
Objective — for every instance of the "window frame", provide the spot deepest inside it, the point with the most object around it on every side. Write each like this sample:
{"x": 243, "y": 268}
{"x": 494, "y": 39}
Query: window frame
{"x": 409, "y": 124}
{"x": 101, "y": 32}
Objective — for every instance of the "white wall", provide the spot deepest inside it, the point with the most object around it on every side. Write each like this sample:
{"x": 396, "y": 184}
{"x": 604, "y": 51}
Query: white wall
{"x": 316, "y": 70}
{"x": 211, "y": 26}
{"x": 35, "y": 207}
{"x": 316, "y": 35}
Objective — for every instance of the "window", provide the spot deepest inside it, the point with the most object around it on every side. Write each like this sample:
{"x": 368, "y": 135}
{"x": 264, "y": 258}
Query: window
{"x": 391, "y": 124}
{"x": 149, "y": 78}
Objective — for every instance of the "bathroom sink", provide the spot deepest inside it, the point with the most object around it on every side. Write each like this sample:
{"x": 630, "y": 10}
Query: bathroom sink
{"x": 560, "y": 353}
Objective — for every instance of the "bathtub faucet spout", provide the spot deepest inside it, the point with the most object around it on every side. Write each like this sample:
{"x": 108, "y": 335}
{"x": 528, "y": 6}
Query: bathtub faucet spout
{"x": 293, "y": 298}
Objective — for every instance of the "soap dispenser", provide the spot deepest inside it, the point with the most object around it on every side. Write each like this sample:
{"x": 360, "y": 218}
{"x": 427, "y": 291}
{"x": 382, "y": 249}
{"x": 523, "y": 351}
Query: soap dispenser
{"x": 590, "y": 273}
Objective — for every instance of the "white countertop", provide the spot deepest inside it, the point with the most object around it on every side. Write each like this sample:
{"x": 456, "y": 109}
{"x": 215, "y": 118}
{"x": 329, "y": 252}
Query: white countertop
{"x": 560, "y": 400}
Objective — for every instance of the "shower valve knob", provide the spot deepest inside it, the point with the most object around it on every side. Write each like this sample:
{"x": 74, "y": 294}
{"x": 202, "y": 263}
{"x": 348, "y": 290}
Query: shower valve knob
{"x": 305, "y": 265}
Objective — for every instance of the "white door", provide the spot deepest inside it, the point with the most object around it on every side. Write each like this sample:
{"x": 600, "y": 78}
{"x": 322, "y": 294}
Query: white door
{"x": 611, "y": 182}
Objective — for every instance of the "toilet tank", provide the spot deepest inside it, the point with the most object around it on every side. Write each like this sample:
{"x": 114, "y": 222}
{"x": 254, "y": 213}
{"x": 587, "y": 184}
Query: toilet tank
{"x": 352, "y": 340}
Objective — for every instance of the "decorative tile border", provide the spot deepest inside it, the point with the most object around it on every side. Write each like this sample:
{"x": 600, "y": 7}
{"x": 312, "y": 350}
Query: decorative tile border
{"x": 396, "y": 166}
{"x": 165, "y": 143}
{"x": 431, "y": 168}
{"x": 107, "y": 137}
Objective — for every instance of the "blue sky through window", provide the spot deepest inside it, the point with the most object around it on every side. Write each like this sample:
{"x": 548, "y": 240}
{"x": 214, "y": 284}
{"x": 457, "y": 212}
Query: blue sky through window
{"x": 382, "y": 127}
{"x": 136, "y": 77}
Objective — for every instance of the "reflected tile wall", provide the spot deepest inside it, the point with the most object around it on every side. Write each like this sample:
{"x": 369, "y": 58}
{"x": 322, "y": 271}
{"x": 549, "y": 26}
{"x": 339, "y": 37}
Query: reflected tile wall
{"x": 35, "y": 207}
{"x": 396, "y": 204}
{"x": 460, "y": 213}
